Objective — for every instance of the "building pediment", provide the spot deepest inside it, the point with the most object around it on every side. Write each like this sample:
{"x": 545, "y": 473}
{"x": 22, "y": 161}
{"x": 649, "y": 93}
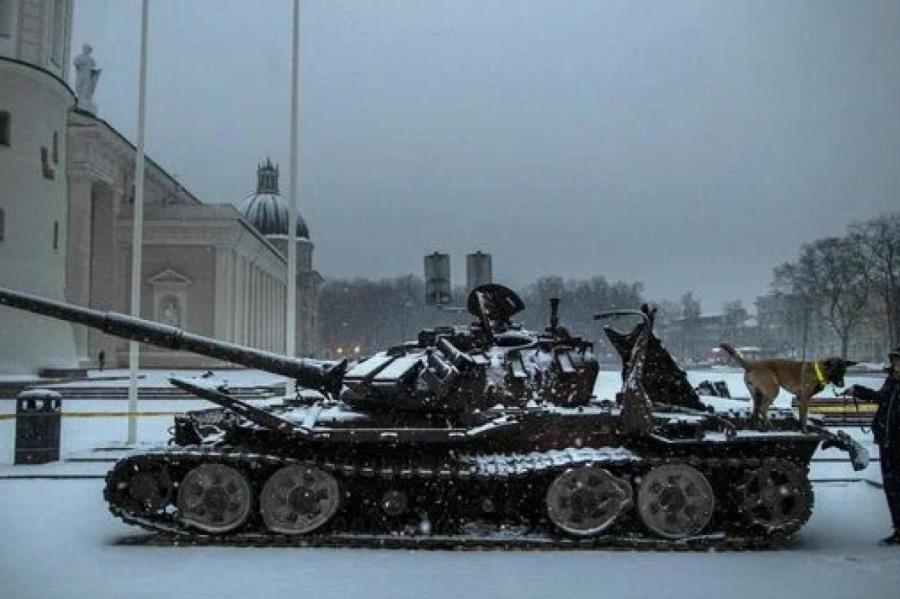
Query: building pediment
{"x": 170, "y": 278}
{"x": 99, "y": 151}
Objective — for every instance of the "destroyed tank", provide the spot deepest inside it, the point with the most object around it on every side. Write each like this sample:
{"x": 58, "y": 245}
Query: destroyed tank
{"x": 486, "y": 434}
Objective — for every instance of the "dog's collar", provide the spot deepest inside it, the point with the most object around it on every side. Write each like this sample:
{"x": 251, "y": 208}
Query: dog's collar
{"x": 820, "y": 376}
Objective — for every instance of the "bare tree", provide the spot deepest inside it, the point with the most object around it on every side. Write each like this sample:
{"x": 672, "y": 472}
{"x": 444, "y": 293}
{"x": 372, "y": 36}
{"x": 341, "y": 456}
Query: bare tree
{"x": 829, "y": 274}
{"x": 690, "y": 319}
{"x": 360, "y": 316}
{"x": 668, "y": 314}
{"x": 797, "y": 306}
{"x": 668, "y": 321}
{"x": 581, "y": 299}
{"x": 878, "y": 242}
{"x": 735, "y": 317}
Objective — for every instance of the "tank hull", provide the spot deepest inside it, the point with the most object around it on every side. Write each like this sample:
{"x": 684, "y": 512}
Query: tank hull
{"x": 482, "y": 486}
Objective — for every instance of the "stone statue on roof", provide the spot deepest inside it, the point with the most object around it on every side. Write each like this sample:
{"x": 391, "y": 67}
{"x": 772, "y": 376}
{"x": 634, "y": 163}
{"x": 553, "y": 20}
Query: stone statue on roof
{"x": 86, "y": 76}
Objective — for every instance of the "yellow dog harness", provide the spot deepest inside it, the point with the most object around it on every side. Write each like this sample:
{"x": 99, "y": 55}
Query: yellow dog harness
{"x": 820, "y": 376}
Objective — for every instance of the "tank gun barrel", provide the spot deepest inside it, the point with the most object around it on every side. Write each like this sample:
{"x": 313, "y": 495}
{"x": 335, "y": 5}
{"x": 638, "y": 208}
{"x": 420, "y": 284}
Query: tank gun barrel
{"x": 315, "y": 374}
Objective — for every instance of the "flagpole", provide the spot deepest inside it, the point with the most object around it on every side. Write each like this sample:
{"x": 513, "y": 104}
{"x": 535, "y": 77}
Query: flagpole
{"x": 291, "y": 320}
{"x": 137, "y": 238}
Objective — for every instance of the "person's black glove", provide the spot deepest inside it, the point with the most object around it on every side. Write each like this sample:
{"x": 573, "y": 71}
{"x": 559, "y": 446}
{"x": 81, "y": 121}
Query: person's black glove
{"x": 852, "y": 391}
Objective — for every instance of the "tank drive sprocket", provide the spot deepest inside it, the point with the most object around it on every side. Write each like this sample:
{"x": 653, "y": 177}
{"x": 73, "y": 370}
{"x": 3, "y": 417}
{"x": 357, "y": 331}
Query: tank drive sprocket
{"x": 776, "y": 497}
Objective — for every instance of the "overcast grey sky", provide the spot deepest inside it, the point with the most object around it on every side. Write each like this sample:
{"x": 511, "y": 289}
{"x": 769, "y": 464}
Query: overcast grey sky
{"x": 688, "y": 145}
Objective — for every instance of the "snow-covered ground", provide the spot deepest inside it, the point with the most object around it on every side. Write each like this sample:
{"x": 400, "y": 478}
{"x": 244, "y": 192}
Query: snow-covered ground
{"x": 58, "y": 540}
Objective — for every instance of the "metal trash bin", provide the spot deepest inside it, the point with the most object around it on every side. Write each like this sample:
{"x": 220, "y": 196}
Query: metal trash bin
{"x": 38, "y": 419}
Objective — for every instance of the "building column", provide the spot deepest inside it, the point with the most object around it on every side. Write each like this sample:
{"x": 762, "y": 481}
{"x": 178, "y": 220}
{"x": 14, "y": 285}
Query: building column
{"x": 267, "y": 311}
{"x": 273, "y": 310}
{"x": 261, "y": 335}
{"x": 245, "y": 303}
{"x": 273, "y": 306}
{"x": 240, "y": 283}
{"x": 261, "y": 309}
{"x": 278, "y": 311}
{"x": 251, "y": 305}
{"x": 248, "y": 303}
{"x": 257, "y": 307}
{"x": 246, "y": 310}
{"x": 222, "y": 317}
{"x": 78, "y": 252}
{"x": 236, "y": 301}
{"x": 254, "y": 306}
{"x": 103, "y": 274}
{"x": 282, "y": 316}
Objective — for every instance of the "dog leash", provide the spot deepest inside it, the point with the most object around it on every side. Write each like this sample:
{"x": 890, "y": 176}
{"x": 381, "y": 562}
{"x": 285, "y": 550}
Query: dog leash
{"x": 844, "y": 396}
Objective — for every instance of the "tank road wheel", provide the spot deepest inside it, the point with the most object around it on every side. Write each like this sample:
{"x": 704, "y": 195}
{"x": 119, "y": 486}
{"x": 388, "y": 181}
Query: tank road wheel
{"x": 777, "y": 496}
{"x": 586, "y": 500}
{"x": 675, "y": 501}
{"x": 299, "y": 499}
{"x": 151, "y": 490}
{"x": 215, "y": 498}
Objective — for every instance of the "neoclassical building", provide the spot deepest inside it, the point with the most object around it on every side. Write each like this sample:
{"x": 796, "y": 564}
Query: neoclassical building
{"x": 66, "y": 206}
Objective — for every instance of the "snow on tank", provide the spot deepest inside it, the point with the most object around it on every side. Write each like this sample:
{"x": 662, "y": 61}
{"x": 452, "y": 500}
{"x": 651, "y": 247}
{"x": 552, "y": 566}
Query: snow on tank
{"x": 459, "y": 437}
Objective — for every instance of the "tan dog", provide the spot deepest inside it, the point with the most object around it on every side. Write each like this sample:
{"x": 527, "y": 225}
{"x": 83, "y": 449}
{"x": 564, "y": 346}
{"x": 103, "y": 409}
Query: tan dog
{"x": 803, "y": 379}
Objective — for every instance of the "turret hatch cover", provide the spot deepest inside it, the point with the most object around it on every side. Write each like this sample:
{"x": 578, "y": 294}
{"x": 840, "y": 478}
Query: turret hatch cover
{"x": 499, "y": 302}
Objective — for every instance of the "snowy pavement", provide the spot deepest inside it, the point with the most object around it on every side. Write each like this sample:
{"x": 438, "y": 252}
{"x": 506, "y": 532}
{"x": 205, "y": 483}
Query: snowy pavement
{"x": 58, "y": 540}
{"x": 159, "y": 378}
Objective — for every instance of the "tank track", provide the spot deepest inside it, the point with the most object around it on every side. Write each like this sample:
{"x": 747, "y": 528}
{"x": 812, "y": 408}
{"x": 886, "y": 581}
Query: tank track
{"x": 490, "y": 469}
{"x": 528, "y": 542}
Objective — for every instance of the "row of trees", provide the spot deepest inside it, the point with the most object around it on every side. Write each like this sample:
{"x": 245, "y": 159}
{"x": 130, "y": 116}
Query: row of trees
{"x": 362, "y": 316}
{"x": 580, "y": 300}
{"x": 837, "y": 287}
{"x": 680, "y": 324}
{"x": 846, "y": 282}
{"x": 359, "y": 315}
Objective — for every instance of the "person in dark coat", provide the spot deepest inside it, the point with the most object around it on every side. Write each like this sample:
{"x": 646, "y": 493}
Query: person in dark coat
{"x": 886, "y": 430}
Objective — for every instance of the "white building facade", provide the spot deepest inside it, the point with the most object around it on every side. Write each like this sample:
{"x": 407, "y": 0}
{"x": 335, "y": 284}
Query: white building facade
{"x": 34, "y": 109}
{"x": 66, "y": 205}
